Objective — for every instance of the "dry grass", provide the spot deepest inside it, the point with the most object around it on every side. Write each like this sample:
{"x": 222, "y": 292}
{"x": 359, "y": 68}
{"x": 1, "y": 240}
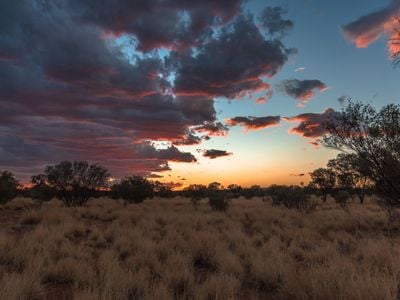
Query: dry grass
{"x": 164, "y": 249}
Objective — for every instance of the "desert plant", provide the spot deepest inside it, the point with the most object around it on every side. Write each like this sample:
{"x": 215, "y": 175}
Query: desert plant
{"x": 291, "y": 197}
{"x": 218, "y": 201}
{"x": 8, "y": 186}
{"x": 74, "y": 182}
{"x": 133, "y": 189}
{"x": 323, "y": 180}
{"x": 342, "y": 197}
{"x": 40, "y": 190}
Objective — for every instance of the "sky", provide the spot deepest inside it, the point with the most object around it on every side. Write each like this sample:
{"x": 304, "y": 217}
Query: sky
{"x": 187, "y": 92}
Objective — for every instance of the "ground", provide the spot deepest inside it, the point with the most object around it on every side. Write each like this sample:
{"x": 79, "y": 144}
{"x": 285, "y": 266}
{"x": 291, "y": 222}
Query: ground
{"x": 165, "y": 249}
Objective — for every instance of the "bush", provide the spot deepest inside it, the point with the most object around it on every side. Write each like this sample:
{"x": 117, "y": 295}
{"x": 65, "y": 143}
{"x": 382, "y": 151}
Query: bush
{"x": 342, "y": 198}
{"x": 218, "y": 201}
{"x": 292, "y": 197}
{"x": 134, "y": 189}
{"x": 8, "y": 186}
{"x": 74, "y": 183}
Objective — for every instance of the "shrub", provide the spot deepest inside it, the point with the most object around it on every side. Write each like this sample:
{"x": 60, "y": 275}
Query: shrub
{"x": 218, "y": 201}
{"x": 134, "y": 189}
{"x": 292, "y": 197}
{"x": 8, "y": 186}
{"x": 342, "y": 198}
{"x": 73, "y": 182}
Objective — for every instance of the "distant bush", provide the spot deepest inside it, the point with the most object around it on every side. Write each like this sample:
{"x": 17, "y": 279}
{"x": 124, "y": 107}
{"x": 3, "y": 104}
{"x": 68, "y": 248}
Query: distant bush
{"x": 134, "y": 189}
{"x": 41, "y": 190}
{"x": 342, "y": 197}
{"x": 195, "y": 192}
{"x": 292, "y": 197}
{"x": 8, "y": 186}
{"x": 218, "y": 201}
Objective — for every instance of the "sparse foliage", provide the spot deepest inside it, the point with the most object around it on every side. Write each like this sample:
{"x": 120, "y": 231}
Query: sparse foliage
{"x": 374, "y": 137}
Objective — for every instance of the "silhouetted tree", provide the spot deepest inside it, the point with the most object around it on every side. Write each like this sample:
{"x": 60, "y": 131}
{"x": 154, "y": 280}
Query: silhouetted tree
{"x": 133, "y": 189}
{"x": 195, "y": 192}
{"x": 374, "y": 136}
{"x": 162, "y": 190}
{"x": 349, "y": 175}
{"x": 8, "y": 186}
{"x": 253, "y": 191}
{"x": 323, "y": 180}
{"x": 74, "y": 182}
{"x": 40, "y": 190}
{"x": 292, "y": 197}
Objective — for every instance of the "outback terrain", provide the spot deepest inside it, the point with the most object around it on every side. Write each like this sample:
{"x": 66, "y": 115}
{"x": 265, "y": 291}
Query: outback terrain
{"x": 167, "y": 249}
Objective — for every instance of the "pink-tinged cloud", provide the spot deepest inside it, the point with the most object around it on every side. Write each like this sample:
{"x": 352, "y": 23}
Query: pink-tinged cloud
{"x": 311, "y": 125}
{"x": 212, "y": 129}
{"x": 213, "y": 153}
{"x": 254, "y": 123}
{"x": 369, "y": 28}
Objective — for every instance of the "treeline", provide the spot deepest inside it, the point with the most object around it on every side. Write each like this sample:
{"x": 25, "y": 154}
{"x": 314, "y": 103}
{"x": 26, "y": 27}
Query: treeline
{"x": 368, "y": 163}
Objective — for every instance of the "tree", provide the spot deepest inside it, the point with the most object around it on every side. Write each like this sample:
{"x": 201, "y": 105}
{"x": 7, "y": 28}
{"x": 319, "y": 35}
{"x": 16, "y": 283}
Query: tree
{"x": 8, "y": 186}
{"x": 292, "y": 197}
{"x": 133, "y": 189}
{"x": 74, "y": 182}
{"x": 195, "y": 192}
{"x": 324, "y": 180}
{"x": 349, "y": 175}
{"x": 41, "y": 190}
{"x": 253, "y": 191}
{"x": 162, "y": 190}
{"x": 374, "y": 137}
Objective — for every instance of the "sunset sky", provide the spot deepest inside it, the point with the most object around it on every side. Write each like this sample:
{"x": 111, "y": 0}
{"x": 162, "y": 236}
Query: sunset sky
{"x": 187, "y": 91}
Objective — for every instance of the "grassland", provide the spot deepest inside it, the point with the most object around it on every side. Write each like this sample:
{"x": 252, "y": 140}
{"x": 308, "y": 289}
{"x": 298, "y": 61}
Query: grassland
{"x": 164, "y": 249}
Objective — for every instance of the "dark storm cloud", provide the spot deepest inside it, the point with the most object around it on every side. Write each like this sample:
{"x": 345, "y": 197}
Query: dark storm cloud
{"x": 311, "y": 125}
{"x": 158, "y": 23}
{"x": 303, "y": 90}
{"x": 230, "y": 64}
{"x": 254, "y": 123}
{"x": 68, "y": 91}
{"x": 213, "y": 153}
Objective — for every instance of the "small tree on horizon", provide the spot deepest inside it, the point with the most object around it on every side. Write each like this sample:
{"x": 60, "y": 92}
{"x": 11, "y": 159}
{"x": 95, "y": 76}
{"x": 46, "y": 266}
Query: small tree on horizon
{"x": 74, "y": 183}
{"x": 324, "y": 180}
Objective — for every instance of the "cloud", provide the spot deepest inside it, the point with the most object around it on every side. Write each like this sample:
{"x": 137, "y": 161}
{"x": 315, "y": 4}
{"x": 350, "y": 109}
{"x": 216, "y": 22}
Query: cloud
{"x": 297, "y": 174}
{"x": 230, "y": 64}
{"x": 255, "y": 123}
{"x": 212, "y": 129}
{"x": 172, "y": 24}
{"x": 303, "y": 90}
{"x": 311, "y": 125}
{"x": 271, "y": 19}
{"x": 369, "y": 28}
{"x": 213, "y": 153}
{"x": 69, "y": 90}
